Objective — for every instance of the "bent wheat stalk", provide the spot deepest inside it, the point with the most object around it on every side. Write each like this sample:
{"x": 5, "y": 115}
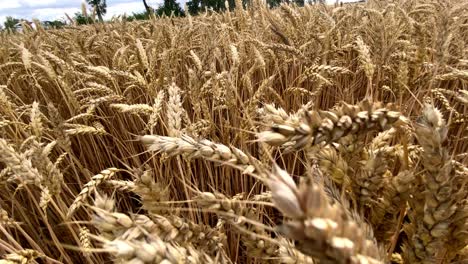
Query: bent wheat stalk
{"x": 89, "y": 188}
{"x": 186, "y": 145}
{"x": 329, "y": 126}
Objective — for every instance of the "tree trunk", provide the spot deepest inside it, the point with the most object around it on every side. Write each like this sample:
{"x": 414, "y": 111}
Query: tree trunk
{"x": 99, "y": 16}
{"x": 147, "y": 7}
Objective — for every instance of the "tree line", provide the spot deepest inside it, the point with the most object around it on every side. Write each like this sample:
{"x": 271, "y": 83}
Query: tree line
{"x": 168, "y": 8}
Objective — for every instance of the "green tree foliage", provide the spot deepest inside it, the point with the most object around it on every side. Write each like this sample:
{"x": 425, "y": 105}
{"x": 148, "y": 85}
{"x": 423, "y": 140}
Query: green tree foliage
{"x": 54, "y": 24}
{"x": 100, "y": 6}
{"x": 197, "y": 6}
{"x": 273, "y": 3}
{"x": 299, "y": 2}
{"x": 168, "y": 7}
{"x": 139, "y": 16}
{"x": 194, "y": 6}
{"x": 81, "y": 19}
{"x": 10, "y": 23}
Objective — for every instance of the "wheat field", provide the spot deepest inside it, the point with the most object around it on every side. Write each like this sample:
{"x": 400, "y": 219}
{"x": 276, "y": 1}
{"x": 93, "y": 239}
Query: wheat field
{"x": 315, "y": 134}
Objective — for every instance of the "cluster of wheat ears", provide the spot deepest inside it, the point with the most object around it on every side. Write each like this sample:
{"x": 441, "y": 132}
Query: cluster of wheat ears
{"x": 315, "y": 134}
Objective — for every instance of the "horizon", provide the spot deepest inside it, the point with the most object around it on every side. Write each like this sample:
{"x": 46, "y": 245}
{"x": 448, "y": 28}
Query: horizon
{"x": 49, "y": 10}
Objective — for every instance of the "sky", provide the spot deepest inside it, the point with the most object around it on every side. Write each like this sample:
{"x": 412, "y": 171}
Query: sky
{"x": 56, "y": 9}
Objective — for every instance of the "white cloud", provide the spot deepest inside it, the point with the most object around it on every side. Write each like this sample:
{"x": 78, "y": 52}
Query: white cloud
{"x": 124, "y": 8}
{"x": 9, "y": 4}
{"x": 56, "y": 9}
{"x": 41, "y": 3}
{"x": 53, "y": 13}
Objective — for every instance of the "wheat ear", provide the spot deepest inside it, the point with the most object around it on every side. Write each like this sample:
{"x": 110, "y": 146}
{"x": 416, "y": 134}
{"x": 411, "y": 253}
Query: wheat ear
{"x": 90, "y": 187}
{"x": 433, "y": 217}
{"x": 198, "y": 149}
{"x": 329, "y": 126}
{"x": 321, "y": 229}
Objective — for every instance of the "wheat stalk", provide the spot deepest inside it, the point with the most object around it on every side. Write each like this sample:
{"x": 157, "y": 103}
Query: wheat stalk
{"x": 329, "y": 126}
{"x": 198, "y": 149}
{"x": 90, "y": 187}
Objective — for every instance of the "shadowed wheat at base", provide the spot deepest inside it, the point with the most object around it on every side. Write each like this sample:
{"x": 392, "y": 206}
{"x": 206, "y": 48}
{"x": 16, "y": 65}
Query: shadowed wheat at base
{"x": 139, "y": 238}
